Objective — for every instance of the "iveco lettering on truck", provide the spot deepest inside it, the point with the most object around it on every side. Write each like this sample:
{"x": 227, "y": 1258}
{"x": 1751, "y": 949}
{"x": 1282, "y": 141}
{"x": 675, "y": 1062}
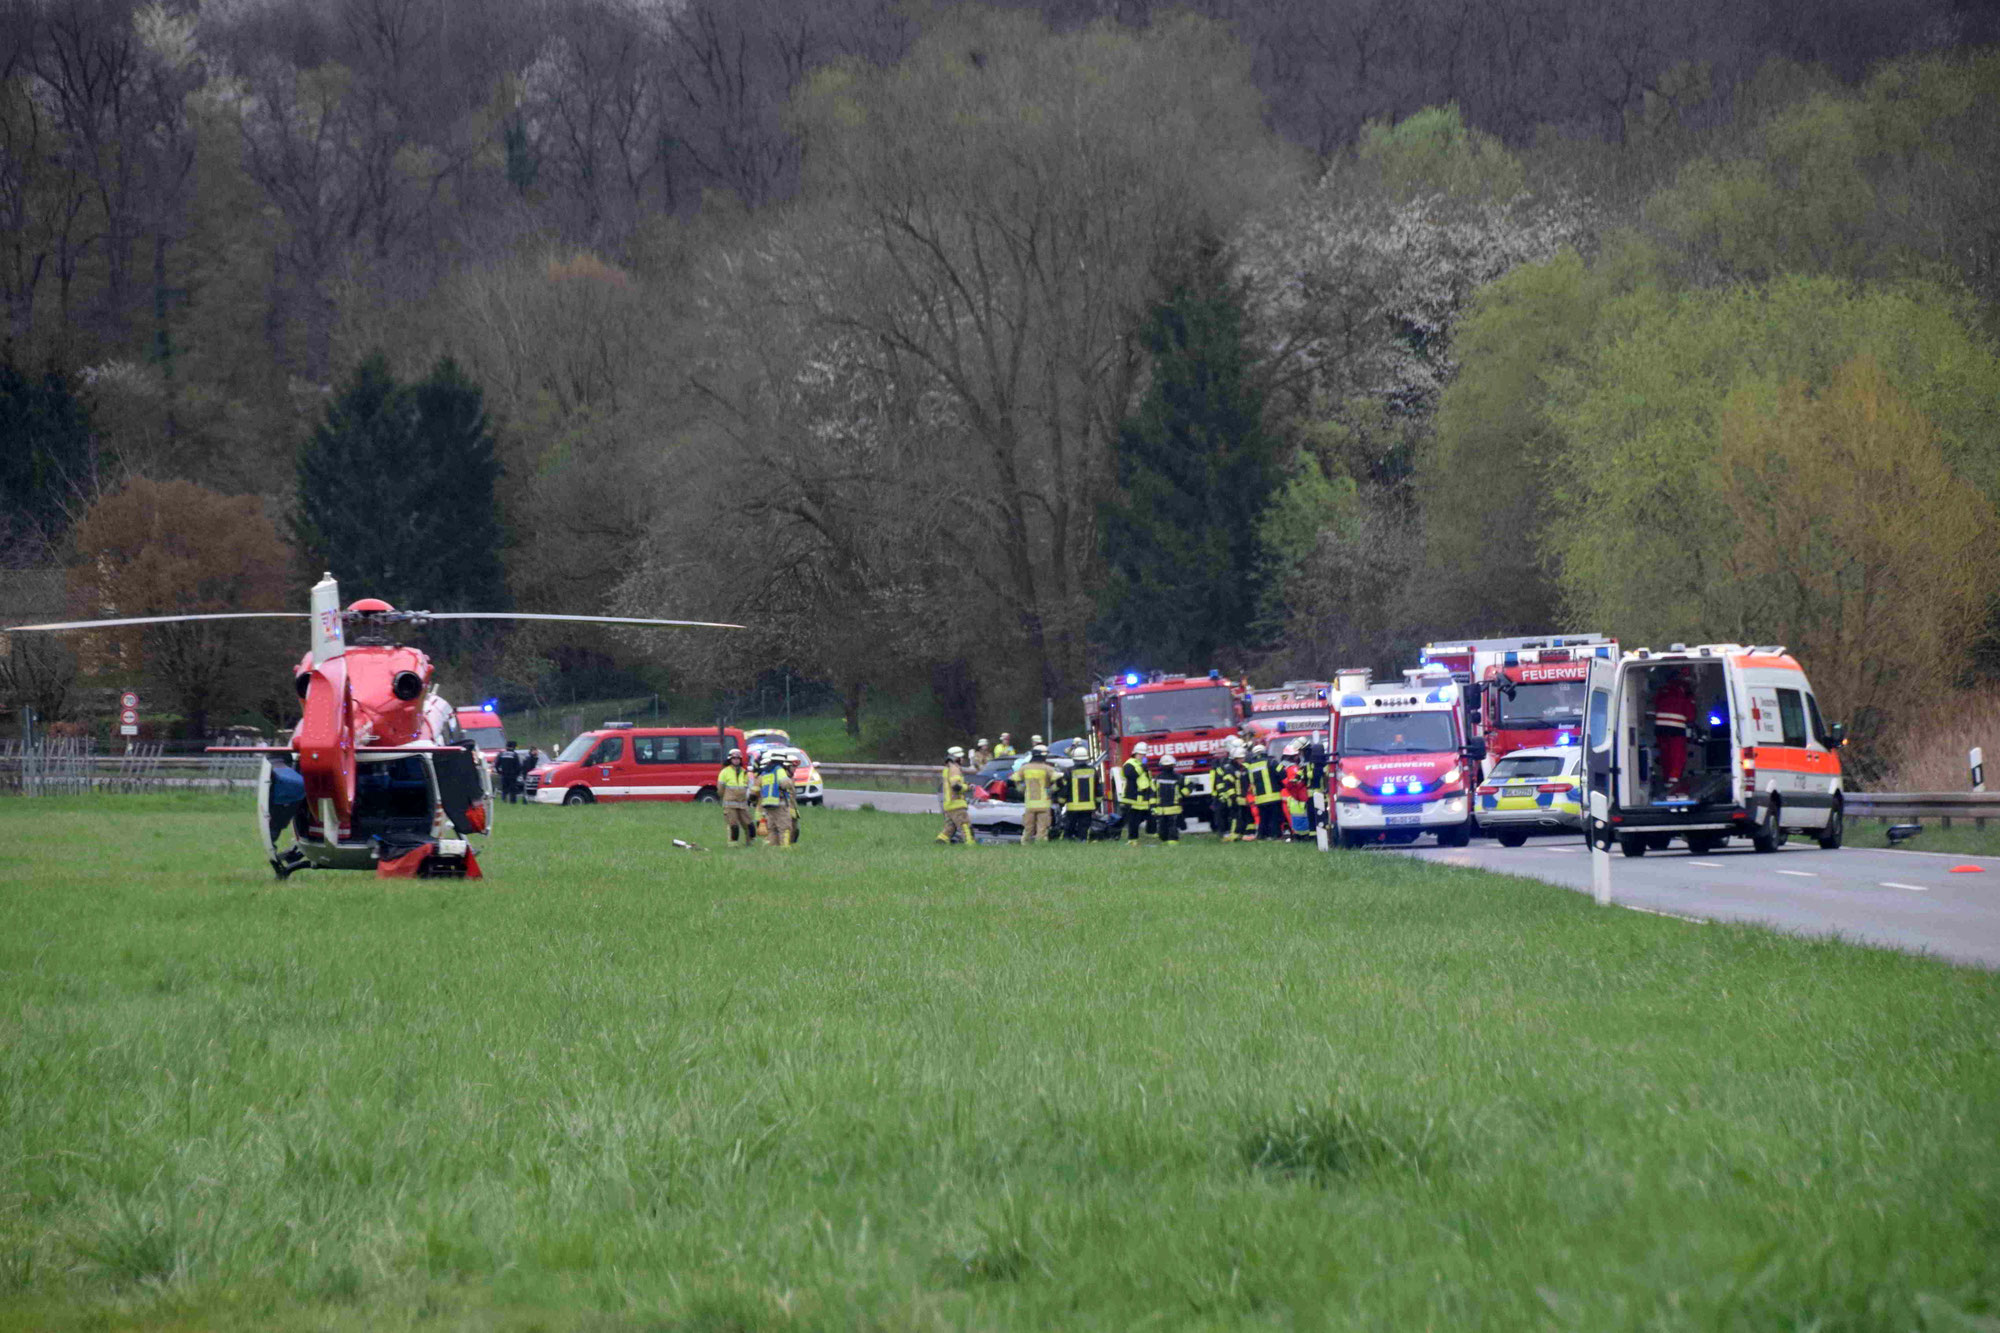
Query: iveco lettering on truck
{"x": 1188, "y": 717}
{"x": 1403, "y": 766}
{"x": 1705, "y": 744}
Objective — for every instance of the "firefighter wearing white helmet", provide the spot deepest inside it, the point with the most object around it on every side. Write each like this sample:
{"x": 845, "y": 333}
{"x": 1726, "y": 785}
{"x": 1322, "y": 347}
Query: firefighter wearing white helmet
{"x": 777, "y": 798}
{"x": 1167, "y": 801}
{"x": 952, "y": 785}
{"x": 1137, "y": 796}
{"x": 733, "y": 784}
{"x": 1265, "y": 795}
{"x": 1038, "y": 780}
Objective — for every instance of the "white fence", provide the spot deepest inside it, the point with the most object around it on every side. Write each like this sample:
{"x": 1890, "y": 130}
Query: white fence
{"x": 66, "y": 767}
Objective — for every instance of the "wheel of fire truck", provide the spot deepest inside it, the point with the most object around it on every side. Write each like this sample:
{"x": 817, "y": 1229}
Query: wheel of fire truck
{"x": 706, "y": 796}
{"x": 1835, "y": 830}
{"x": 1512, "y": 838}
{"x": 1458, "y": 836}
{"x": 1351, "y": 841}
{"x": 1631, "y": 844}
{"x": 578, "y": 796}
{"x": 1770, "y": 834}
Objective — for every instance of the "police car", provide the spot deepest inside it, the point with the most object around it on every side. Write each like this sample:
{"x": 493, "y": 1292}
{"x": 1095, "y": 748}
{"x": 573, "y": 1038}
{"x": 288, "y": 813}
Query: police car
{"x": 1537, "y": 790}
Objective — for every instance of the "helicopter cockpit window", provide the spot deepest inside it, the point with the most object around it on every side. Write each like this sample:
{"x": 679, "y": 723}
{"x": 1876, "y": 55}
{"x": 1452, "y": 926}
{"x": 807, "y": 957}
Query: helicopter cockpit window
{"x": 608, "y": 750}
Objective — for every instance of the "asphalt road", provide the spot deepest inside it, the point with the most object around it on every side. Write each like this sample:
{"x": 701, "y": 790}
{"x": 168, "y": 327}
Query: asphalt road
{"x": 1905, "y": 900}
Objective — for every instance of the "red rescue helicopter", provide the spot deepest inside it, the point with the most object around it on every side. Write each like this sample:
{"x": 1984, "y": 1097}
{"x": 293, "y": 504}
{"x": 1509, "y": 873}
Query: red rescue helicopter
{"x": 376, "y": 776}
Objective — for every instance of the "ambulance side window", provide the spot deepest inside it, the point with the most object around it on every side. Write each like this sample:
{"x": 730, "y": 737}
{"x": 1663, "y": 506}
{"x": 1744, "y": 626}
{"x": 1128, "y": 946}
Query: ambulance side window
{"x": 1600, "y": 714}
{"x": 1819, "y": 731}
{"x": 607, "y": 750}
{"x": 1792, "y": 714}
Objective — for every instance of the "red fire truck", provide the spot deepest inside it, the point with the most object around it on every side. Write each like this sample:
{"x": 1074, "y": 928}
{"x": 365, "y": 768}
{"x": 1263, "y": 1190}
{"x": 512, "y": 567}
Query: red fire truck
{"x": 1188, "y": 717}
{"x": 1530, "y": 690}
{"x": 1298, "y": 708}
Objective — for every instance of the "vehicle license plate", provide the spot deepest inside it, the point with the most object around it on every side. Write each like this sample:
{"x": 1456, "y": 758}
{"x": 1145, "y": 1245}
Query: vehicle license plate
{"x": 1404, "y": 819}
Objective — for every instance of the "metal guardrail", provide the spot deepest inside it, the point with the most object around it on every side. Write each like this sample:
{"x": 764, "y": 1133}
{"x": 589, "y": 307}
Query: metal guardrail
{"x": 1919, "y": 805}
{"x": 878, "y": 770}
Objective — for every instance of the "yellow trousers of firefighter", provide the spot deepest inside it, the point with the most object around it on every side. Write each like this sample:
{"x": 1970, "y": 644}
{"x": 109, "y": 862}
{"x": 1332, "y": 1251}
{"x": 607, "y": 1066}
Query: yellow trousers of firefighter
{"x": 957, "y": 822}
{"x": 1035, "y": 826}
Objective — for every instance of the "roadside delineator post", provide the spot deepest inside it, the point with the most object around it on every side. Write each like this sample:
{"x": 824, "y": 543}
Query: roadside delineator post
{"x": 1600, "y": 850}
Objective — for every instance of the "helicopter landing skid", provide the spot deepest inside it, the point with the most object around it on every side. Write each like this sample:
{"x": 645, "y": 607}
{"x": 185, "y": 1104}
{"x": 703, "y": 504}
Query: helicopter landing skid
{"x": 288, "y": 861}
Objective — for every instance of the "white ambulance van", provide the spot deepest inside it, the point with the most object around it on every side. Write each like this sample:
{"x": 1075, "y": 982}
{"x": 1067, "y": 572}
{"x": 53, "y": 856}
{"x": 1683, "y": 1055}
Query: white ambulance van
{"x": 1758, "y": 761}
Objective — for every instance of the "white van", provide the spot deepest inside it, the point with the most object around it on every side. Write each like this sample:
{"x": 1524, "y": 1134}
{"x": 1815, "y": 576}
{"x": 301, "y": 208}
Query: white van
{"x": 1760, "y": 761}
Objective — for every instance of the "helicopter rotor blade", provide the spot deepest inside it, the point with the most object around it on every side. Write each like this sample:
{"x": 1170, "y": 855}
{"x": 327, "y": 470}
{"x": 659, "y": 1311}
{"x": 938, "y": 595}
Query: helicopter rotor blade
{"x": 584, "y": 620}
{"x": 157, "y": 620}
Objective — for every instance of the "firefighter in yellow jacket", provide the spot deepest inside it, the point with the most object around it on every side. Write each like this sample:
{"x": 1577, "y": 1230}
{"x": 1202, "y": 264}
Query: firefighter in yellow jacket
{"x": 1265, "y": 795}
{"x": 1038, "y": 780}
{"x": 775, "y": 796}
{"x": 951, "y": 798}
{"x": 1137, "y": 797}
{"x": 733, "y": 785}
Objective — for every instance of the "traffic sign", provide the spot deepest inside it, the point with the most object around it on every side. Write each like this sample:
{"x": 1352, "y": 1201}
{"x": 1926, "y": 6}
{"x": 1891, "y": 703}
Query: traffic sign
{"x": 128, "y": 730}
{"x": 129, "y": 716}
{"x": 128, "y": 700}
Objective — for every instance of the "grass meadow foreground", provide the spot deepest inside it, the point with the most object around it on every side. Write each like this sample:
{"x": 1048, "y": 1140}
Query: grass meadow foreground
{"x": 872, "y": 1082}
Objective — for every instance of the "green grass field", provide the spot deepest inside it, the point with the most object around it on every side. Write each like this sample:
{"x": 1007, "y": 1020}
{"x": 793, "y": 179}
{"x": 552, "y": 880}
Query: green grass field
{"x": 875, "y": 1083}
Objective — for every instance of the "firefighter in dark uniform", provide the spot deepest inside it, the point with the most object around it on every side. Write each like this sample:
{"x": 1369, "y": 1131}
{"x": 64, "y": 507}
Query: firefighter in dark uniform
{"x": 1167, "y": 801}
{"x": 1137, "y": 798}
{"x": 1224, "y": 786}
{"x": 1079, "y": 794}
{"x": 1265, "y": 795}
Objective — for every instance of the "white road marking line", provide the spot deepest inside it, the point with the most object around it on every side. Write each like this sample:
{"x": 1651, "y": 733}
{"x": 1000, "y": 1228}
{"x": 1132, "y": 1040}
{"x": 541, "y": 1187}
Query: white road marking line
{"x": 1913, "y": 888}
{"x": 1709, "y": 865}
{"x": 1562, "y": 850}
{"x": 1802, "y": 874}
{"x": 1694, "y": 920}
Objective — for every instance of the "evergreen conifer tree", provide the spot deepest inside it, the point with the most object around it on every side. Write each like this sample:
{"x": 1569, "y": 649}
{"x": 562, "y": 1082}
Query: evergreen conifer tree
{"x": 396, "y": 491}
{"x": 1195, "y": 470}
{"x": 45, "y": 459}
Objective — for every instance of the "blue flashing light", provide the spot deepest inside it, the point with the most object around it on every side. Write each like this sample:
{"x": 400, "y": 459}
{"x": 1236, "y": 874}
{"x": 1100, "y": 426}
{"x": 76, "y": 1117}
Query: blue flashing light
{"x": 1214, "y": 674}
{"x": 1388, "y": 789}
{"x": 1715, "y": 719}
{"x": 1351, "y": 701}
{"x": 1604, "y": 652}
{"x": 1565, "y": 738}
{"x": 491, "y": 705}
{"x": 1434, "y": 697}
{"x": 1513, "y": 659}
{"x": 1131, "y": 678}
{"x": 1415, "y": 787}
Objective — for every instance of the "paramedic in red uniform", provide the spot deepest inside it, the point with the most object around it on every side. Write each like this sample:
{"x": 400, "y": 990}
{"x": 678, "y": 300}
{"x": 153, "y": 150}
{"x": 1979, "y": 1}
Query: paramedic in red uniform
{"x": 1673, "y": 715}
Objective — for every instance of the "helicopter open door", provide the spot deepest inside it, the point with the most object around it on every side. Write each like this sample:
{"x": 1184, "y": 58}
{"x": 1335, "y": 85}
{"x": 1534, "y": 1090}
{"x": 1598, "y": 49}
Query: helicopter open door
{"x": 1600, "y": 749}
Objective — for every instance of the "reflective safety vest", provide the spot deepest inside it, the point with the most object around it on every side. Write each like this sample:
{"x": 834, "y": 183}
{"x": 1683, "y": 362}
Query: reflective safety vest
{"x": 1263, "y": 790}
{"x": 1035, "y": 779}
{"x": 1222, "y": 785}
{"x": 952, "y": 787}
{"x": 776, "y": 788}
{"x": 734, "y": 785}
{"x": 1082, "y": 788}
{"x": 1169, "y": 789}
{"x": 1003, "y": 752}
{"x": 1138, "y": 786}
